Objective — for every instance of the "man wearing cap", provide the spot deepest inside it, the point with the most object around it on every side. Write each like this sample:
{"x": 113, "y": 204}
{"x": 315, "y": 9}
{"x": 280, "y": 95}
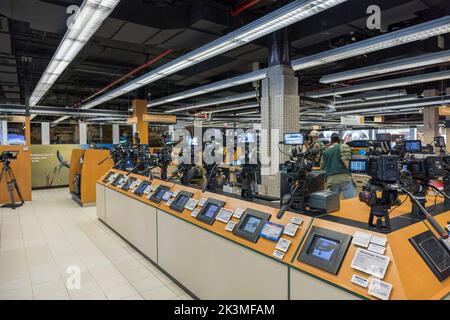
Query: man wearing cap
{"x": 335, "y": 162}
{"x": 316, "y": 144}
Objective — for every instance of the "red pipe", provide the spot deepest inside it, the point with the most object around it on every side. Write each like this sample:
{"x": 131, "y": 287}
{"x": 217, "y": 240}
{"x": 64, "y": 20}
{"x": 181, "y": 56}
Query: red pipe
{"x": 246, "y": 5}
{"x": 148, "y": 63}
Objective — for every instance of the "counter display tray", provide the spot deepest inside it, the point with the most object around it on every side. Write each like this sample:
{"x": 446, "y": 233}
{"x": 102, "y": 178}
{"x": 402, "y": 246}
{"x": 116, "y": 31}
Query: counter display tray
{"x": 158, "y": 194}
{"x": 140, "y": 190}
{"x": 181, "y": 200}
{"x": 433, "y": 253}
{"x": 251, "y": 224}
{"x": 210, "y": 210}
{"x": 325, "y": 249}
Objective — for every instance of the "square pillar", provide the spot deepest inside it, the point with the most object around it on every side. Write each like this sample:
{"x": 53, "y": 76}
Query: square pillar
{"x": 115, "y": 134}
{"x": 83, "y": 133}
{"x": 3, "y": 133}
{"x": 139, "y": 110}
{"x": 430, "y": 119}
{"x": 45, "y": 133}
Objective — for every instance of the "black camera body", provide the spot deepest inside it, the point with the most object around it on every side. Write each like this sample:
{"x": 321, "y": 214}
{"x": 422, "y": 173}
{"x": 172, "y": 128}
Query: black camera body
{"x": 8, "y": 155}
{"x": 427, "y": 168}
{"x": 383, "y": 168}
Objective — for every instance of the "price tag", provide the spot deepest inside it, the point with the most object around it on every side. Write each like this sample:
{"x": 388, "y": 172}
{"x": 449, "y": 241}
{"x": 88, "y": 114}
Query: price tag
{"x": 361, "y": 239}
{"x": 291, "y": 229}
{"x": 169, "y": 202}
{"x": 370, "y": 262}
{"x": 167, "y": 195}
{"x": 175, "y": 193}
{"x": 191, "y": 204}
{"x": 380, "y": 289}
{"x": 238, "y": 213}
{"x": 297, "y": 220}
{"x": 230, "y": 225}
{"x": 224, "y": 215}
{"x": 202, "y": 202}
{"x": 376, "y": 248}
{"x": 148, "y": 190}
{"x": 155, "y": 187}
{"x": 278, "y": 254}
{"x": 360, "y": 281}
{"x": 283, "y": 245}
{"x": 381, "y": 241}
{"x": 195, "y": 213}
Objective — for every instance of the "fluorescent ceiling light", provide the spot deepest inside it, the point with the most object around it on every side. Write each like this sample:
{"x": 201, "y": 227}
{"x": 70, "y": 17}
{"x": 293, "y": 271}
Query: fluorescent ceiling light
{"x": 234, "y": 108}
{"x": 415, "y": 33}
{"x": 400, "y": 82}
{"x": 85, "y": 23}
{"x": 377, "y": 102}
{"x": 283, "y": 17}
{"x": 419, "y": 32}
{"x": 392, "y": 66}
{"x": 372, "y": 95}
{"x": 213, "y": 102}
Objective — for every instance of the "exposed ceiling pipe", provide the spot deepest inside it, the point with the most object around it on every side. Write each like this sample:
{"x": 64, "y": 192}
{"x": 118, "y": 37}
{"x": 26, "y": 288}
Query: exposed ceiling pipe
{"x": 244, "y": 6}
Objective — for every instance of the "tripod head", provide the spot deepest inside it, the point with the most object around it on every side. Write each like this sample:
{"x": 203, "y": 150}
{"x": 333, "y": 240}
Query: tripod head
{"x": 7, "y": 156}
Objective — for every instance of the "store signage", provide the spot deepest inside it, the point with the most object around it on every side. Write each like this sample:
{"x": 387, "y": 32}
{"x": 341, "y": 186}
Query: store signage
{"x": 132, "y": 120}
{"x": 352, "y": 120}
{"x": 444, "y": 111}
{"x": 160, "y": 118}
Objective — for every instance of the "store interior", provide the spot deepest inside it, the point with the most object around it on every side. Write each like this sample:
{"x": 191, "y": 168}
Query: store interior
{"x": 224, "y": 150}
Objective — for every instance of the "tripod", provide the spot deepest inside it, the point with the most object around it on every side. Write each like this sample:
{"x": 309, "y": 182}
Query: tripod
{"x": 11, "y": 184}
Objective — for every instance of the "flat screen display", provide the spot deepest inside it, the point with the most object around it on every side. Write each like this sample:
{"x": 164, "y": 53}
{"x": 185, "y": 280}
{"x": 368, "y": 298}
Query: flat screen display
{"x": 324, "y": 248}
{"x": 180, "y": 201}
{"x": 142, "y": 188}
{"x": 358, "y": 166}
{"x": 158, "y": 195}
{"x": 211, "y": 210}
{"x": 294, "y": 139}
{"x": 436, "y": 252}
{"x": 413, "y": 146}
{"x": 251, "y": 224}
{"x": 383, "y": 137}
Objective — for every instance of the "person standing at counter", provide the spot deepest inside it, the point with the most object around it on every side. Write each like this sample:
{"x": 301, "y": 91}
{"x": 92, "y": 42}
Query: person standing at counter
{"x": 316, "y": 144}
{"x": 335, "y": 162}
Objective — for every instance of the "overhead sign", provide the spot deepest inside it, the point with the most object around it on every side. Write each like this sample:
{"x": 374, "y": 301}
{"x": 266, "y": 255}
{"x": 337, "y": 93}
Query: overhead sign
{"x": 132, "y": 120}
{"x": 352, "y": 120}
{"x": 160, "y": 118}
{"x": 444, "y": 111}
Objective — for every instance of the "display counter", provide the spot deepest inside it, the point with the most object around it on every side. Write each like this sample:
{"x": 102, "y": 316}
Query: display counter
{"x": 218, "y": 247}
{"x": 21, "y": 168}
{"x": 85, "y": 171}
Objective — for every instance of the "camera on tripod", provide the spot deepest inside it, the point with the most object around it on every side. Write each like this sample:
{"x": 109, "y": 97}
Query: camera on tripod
{"x": 11, "y": 182}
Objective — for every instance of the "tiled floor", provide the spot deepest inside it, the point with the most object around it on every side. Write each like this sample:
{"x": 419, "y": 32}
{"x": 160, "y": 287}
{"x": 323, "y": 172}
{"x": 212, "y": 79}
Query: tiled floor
{"x": 41, "y": 241}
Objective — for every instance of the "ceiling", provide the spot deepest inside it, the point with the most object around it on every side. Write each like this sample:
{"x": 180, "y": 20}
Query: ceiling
{"x": 139, "y": 30}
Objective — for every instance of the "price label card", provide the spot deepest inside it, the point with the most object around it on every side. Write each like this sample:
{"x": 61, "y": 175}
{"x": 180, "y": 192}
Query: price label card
{"x": 148, "y": 190}
{"x": 361, "y": 239}
{"x": 167, "y": 195}
{"x": 224, "y": 215}
{"x": 376, "y": 248}
{"x": 175, "y": 193}
{"x": 238, "y": 213}
{"x": 278, "y": 254}
{"x": 297, "y": 220}
{"x": 283, "y": 245}
{"x": 381, "y": 241}
{"x": 195, "y": 213}
{"x": 149, "y": 195}
{"x": 154, "y": 187}
{"x": 202, "y": 202}
{"x": 169, "y": 202}
{"x": 191, "y": 204}
{"x": 272, "y": 231}
{"x": 370, "y": 262}
{"x": 360, "y": 281}
{"x": 290, "y": 229}
{"x": 230, "y": 225}
{"x": 380, "y": 289}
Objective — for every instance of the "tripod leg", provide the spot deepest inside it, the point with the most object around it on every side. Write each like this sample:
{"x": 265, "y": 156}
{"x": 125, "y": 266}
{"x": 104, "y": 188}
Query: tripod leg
{"x": 13, "y": 185}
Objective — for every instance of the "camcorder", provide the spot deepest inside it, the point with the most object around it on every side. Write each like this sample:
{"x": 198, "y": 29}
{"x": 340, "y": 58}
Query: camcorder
{"x": 383, "y": 169}
{"x": 8, "y": 155}
{"x": 427, "y": 168}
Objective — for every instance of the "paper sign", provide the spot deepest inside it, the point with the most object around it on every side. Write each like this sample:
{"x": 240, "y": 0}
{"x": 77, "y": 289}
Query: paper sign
{"x": 380, "y": 289}
{"x": 361, "y": 239}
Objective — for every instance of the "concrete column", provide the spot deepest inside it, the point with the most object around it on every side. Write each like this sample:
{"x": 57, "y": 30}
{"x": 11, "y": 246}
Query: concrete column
{"x": 280, "y": 105}
{"x": 3, "y": 133}
{"x": 430, "y": 119}
{"x": 45, "y": 132}
{"x": 83, "y": 133}
{"x": 139, "y": 110}
{"x": 115, "y": 134}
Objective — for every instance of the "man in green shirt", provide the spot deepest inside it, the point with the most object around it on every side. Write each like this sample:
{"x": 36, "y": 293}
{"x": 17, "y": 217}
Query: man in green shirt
{"x": 335, "y": 162}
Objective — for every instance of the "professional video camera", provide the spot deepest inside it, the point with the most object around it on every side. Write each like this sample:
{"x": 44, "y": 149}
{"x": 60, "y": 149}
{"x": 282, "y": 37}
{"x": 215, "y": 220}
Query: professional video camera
{"x": 11, "y": 182}
{"x": 299, "y": 184}
{"x": 384, "y": 175}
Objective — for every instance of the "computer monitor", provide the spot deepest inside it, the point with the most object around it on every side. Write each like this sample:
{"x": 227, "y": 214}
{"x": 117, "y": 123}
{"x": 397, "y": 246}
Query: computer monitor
{"x": 294, "y": 139}
{"x": 383, "y": 137}
{"x": 413, "y": 146}
{"x": 358, "y": 166}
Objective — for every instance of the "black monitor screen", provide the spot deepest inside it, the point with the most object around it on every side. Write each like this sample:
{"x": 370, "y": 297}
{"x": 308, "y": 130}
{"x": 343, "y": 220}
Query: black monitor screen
{"x": 413, "y": 146}
{"x": 383, "y": 137}
{"x": 142, "y": 188}
{"x": 324, "y": 248}
{"x": 180, "y": 201}
{"x": 358, "y": 166}
{"x": 210, "y": 210}
{"x": 159, "y": 194}
{"x": 294, "y": 139}
{"x": 437, "y": 253}
{"x": 251, "y": 224}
